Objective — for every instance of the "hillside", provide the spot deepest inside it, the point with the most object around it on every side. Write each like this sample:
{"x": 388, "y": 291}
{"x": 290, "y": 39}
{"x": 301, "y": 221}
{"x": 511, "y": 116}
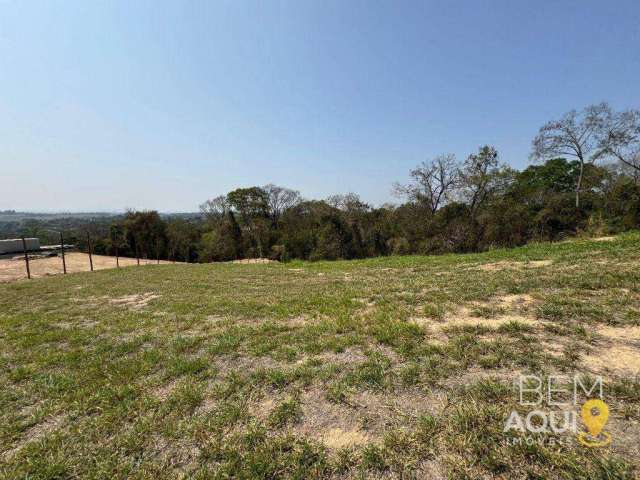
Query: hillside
{"x": 372, "y": 368}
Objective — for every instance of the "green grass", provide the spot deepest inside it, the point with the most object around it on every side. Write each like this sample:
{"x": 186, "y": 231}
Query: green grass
{"x": 355, "y": 369}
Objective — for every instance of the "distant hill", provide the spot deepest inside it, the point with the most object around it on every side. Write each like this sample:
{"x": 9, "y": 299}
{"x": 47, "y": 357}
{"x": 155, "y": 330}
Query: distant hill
{"x": 46, "y": 226}
{"x": 14, "y": 216}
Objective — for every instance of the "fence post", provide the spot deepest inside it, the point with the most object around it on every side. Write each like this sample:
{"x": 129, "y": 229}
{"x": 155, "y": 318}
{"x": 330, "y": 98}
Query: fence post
{"x": 158, "y": 251}
{"x": 26, "y": 257}
{"x": 90, "y": 257}
{"x": 117, "y": 258}
{"x": 64, "y": 262}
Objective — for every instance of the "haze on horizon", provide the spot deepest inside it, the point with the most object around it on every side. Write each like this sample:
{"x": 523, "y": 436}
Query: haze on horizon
{"x": 161, "y": 105}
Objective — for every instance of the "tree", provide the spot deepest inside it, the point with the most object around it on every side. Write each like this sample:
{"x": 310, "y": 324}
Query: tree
{"x": 554, "y": 176}
{"x": 116, "y": 240}
{"x": 334, "y": 241}
{"x": 249, "y": 202}
{"x": 223, "y": 243}
{"x": 182, "y": 239}
{"x": 578, "y": 135}
{"x": 622, "y": 138}
{"x": 215, "y": 209}
{"x": 280, "y": 199}
{"x": 145, "y": 231}
{"x": 482, "y": 176}
{"x": 252, "y": 205}
{"x": 231, "y": 232}
{"x": 433, "y": 182}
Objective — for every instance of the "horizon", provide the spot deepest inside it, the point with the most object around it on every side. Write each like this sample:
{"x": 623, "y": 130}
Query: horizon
{"x": 161, "y": 106}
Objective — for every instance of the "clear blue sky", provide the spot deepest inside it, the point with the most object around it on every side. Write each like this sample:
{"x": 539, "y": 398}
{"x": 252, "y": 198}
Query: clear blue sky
{"x": 151, "y": 104}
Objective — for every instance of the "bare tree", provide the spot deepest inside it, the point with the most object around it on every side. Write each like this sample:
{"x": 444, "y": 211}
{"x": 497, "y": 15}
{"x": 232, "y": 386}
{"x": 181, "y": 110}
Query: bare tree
{"x": 622, "y": 139}
{"x": 350, "y": 203}
{"x": 632, "y": 170}
{"x": 280, "y": 199}
{"x": 215, "y": 209}
{"x": 578, "y": 135}
{"x": 433, "y": 182}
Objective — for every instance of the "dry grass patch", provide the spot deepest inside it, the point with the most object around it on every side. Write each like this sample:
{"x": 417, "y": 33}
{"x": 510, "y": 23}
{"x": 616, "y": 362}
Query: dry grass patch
{"x": 464, "y": 316}
{"x": 603, "y": 239}
{"x": 298, "y": 321}
{"x": 337, "y": 438}
{"x": 136, "y": 301}
{"x": 509, "y": 265}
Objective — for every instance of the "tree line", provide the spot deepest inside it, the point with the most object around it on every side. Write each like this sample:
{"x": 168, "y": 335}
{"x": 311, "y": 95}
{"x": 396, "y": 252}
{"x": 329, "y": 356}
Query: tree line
{"x": 584, "y": 176}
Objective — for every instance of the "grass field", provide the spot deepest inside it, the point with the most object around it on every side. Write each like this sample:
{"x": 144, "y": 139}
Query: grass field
{"x": 399, "y": 367}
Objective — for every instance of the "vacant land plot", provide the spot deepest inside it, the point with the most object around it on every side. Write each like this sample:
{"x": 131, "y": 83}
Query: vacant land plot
{"x": 381, "y": 368}
{"x": 14, "y": 269}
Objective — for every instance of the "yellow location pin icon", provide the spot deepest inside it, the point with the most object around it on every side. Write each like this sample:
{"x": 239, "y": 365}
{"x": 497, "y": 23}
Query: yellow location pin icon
{"x": 595, "y": 414}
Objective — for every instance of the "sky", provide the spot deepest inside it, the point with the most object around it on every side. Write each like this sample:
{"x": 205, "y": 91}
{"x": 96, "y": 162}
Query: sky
{"x": 108, "y": 105}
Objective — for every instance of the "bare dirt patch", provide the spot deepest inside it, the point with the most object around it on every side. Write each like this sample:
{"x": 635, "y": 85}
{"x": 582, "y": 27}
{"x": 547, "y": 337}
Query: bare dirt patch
{"x": 366, "y": 417}
{"x": 516, "y": 301}
{"x": 329, "y": 422}
{"x": 620, "y": 333}
{"x": 348, "y": 356}
{"x": 14, "y": 269}
{"x": 476, "y": 374}
{"x": 254, "y": 261}
{"x": 553, "y": 347}
{"x": 178, "y": 455}
{"x": 244, "y": 364}
{"x": 618, "y": 359}
{"x": 495, "y": 312}
{"x": 36, "y": 433}
{"x": 164, "y": 391}
{"x": 618, "y": 352}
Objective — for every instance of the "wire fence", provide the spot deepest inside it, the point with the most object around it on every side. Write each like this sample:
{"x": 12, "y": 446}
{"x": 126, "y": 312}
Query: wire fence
{"x": 62, "y": 259}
